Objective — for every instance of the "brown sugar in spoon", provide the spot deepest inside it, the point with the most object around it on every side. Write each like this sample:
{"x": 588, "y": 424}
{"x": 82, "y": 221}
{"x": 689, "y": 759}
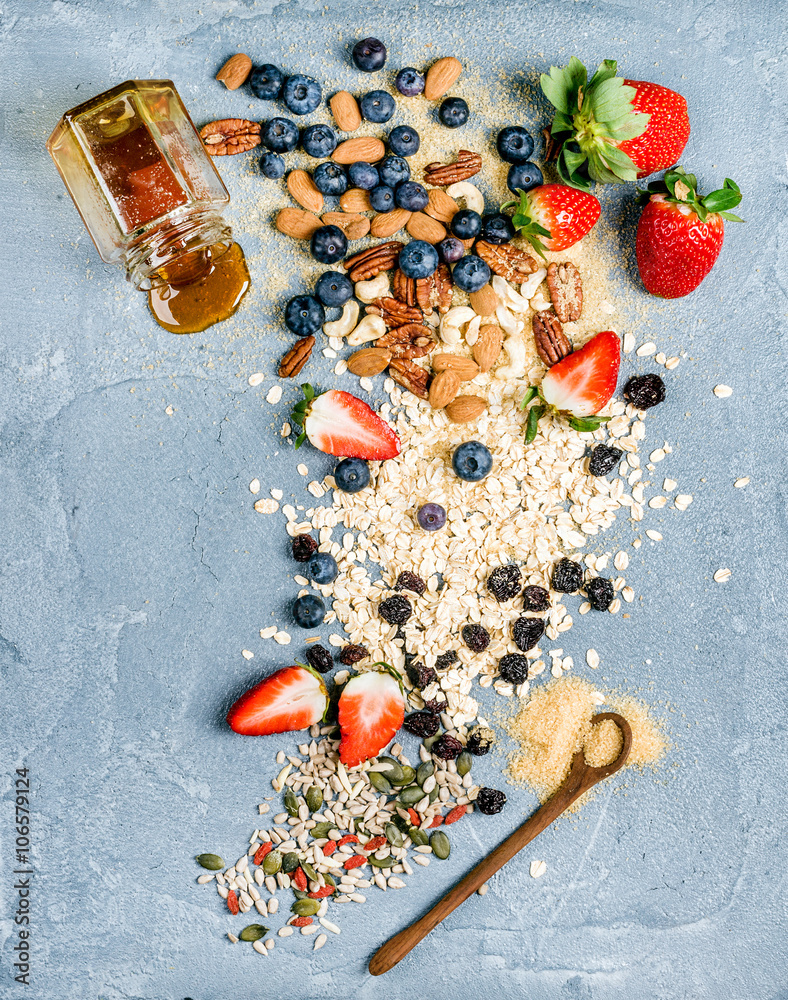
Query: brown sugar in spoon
{"x": 580, "y": 779}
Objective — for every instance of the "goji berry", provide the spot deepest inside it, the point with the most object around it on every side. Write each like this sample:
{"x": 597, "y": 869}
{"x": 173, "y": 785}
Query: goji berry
{"x": 232, "y": 902}
{"x": 414, "y": 817}
{"x": 321, "y": 893}
{"x": 261, "y": 852}
{"x": 355, "y": 861}
{"x": 299, "y": 878}
{"x": 349, "y": 838}
{"x": 457, "y": 813}
{"x": 329, "y": 848}
{"x": 375, "y": 843}
{"x": 437, "y": 821}
{"x": 301, "y": 922}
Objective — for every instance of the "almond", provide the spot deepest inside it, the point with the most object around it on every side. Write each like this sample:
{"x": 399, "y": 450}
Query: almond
{"x": 297, "y": 223}
{"x": 388, "y": 223}
{"x": 363, "y": 149}
{"x": 463, "y": 368}
{"x": 303, "y": 189}
{"x": 422, "y": 227}
{"x": 235, "y": 71}
{"x": 346, "y": 112}
{"x": 441, "y": 206}
{"x": 463, "y": 409}
{"x": 485, "y": 301}
{"x": 368, "y": 361}
{"x": 355, "y": 200}
{"x": 441, "y": 76}
{"x": 355, "y": 227}
{"x": 487, "y": 347}
{"x": 443, "y": 388}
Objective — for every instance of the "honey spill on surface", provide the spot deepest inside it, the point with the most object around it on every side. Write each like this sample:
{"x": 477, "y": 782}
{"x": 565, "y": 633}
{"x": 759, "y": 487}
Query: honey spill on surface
{"x": 200, "y": 290}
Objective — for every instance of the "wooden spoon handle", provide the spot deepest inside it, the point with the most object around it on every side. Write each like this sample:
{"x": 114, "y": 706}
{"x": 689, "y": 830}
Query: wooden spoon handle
{"x": 581, "y": 777}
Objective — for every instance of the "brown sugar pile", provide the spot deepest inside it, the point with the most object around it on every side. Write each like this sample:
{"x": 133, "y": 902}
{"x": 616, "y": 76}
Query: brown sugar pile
{"x": 556, "y": 723}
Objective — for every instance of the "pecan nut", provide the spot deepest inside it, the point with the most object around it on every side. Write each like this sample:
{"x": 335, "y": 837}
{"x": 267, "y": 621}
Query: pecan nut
{"x": 395, "y": 313}
{"x": 410, "y": 341}
{"x": 369, "y": 263}
{"x": 410, "y": 377}
{"x": 295, "y": 359}
{"x": 403, "y": 288}
{"x": 552, "y": 344}
{"x": 230, "y": 135}
{"x": 435, "y": 291}
{"x": 443, "y": 174}
{"x": 566, "y": 290}
{"x": 507, "y": 261}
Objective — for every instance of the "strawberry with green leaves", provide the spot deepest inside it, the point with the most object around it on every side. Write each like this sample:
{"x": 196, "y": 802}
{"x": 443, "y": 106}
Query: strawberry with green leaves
{"x": 680, "y": 233}
{"x": 554, "y": 216}
{"x": 612, "y": 130}
{"x": 578, "y": 387}
{"x": 339, "y": 423}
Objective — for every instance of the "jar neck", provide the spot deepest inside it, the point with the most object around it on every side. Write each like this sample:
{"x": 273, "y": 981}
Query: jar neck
{"x": 174, "y": 248}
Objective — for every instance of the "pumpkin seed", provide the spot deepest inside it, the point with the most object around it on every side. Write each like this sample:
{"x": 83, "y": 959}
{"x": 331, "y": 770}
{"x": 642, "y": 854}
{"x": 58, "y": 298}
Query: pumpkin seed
{"x": 419, "y": 837}
{"x": 411, "y": 795}
{"x": 431, "y": 740}
{"x": 290, "y": 862}
{"x": 464, "y": 763}
{"x": 441, "y": 847}
{"x": 408, "y": 775}
{"x": 306, "y": 907}
{"x": 309, "y": 871}
{"x": 393, "y": 835}
{"x": 382, "y": 862}
{"x": 379, "y": 782}
{"x": 272, "y": 863}
{"x": 253, "y": 932}
{"x": 314, "y": 799}
{"x": 320, "y": 830}
{"x": 426, "y": 770}
{"x": 210, "y": 861}
{"x": 291, "y": 802}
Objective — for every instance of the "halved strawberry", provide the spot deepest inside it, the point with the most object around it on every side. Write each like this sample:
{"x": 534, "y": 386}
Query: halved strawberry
{"x": 339, "y": 423}
{"x": 371, "y": 709}
{"x": 578, "y": 386}
{"x": 612, "y": 130}
{"x": 554, "y": 216}
{"x": 292, "y": 698}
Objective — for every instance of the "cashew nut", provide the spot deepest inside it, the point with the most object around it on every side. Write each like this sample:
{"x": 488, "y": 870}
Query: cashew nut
{"x": 532, "y": 282}
{"x": 370, "y": 328}
{"x": 341, "y": 327}
{"x": 515, "y": 348}
{"x": 508, "y": 295}
{"x": 452, "y": 321}
{"x": 474, "y": 199}
{"x": 368, "y": 291}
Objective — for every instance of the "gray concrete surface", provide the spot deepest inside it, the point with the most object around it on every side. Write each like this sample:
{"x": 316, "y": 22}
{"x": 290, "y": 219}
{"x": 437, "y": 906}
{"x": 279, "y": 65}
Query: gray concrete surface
{"x": 133, "y": 570}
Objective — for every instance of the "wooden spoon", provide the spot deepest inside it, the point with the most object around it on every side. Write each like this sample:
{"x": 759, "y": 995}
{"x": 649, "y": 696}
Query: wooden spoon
{"x": 581, "y": 777}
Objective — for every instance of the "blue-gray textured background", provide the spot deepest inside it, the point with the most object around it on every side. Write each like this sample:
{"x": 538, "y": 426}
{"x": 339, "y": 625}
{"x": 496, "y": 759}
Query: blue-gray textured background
{"x": 133, "y": 569}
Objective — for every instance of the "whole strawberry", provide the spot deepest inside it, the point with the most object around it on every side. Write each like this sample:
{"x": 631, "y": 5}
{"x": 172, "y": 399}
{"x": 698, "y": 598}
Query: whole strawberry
{"x": 554, "y": 216}
{"x": 612, "y": 130}
{"x": 680, "y": 233}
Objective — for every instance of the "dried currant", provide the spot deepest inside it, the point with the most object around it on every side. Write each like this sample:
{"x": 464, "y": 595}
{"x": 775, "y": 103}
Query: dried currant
{"x": 421, "y": 675}
{"x": 567, "y": 576}
{"x": 352, "y": 653}
{"x": 446, "y": 659}
{"x": 320, "y": 659}
{"x": 536, "y": 599}
{"x": 490, "y": 801}
{"x": 409, "y": 581}
{"x": 304, "y": 546}
{"x": 603, "y": 459}
{"x": 504, "y": 582}
{"x": 645, "y": 391}
{"x": 475, "y": 637}
{"x": 527, "y": 632}
{"x": 447, "y": 747}
{"x": 513, "y": 667}
{"x": 479, "y": 741}
{"x": 600, "y": 593}
{"x": 422, "y": 723}
{"x": 395, "y": 610}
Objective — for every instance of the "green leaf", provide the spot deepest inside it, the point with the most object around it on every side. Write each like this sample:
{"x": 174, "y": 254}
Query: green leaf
{"x": 530, "y": 392}
{"x": 535, "y": 414}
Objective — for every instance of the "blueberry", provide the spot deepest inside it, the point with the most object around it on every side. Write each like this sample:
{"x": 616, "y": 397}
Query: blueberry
{"x": 465, "y": 224}
{"x": 377, "y": 106}
{"x": 418, "y": 259}
{"x": 450, "y": 250}
{"x": 523, "y": 177}
{"x": 266, "y": 82}
{"x": 272, "y": 165}
{"x": 322, "y": 568}
{"x": 515, "y": 144}
{"x": 308, "y": 611}
{"x": 404, "y": 140}
{"x": 280, "y": 135}
{"x": 304, "y": 315}
{"x": 472, "y": 461}
{"x": 351, "y": 475}
{"x": 497, "y": 228}
{"x": 318, "y": 141}
{"x": 369, "y": 55}
{"x": 334, "y": 288}
{"x": 411, "y": 196}
{"x": 363, "y": 175}
{"x": 393, "y": 170}
{"x": 329, "y": 244}
{"x": 409, "y": 82}
{"x": 453, "y": 112}
{"x": 301, "y": 94}
{"x": 471, "y": 273}
{"x": 431, "y": 516}
{"x": 382, "y": 198}
{"x": 330, "y": 178}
